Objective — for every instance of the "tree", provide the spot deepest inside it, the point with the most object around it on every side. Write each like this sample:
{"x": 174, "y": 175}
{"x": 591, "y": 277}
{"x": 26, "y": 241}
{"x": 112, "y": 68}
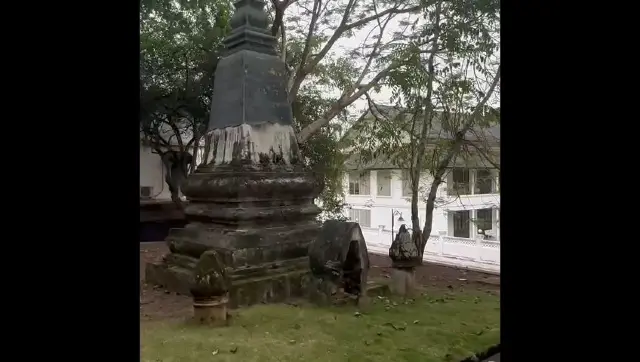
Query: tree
{"x": 179, "y": 43}
{"x": 444, "y": 83}
{"x": 321, "y": 151}
{"x": 312, "y": 37}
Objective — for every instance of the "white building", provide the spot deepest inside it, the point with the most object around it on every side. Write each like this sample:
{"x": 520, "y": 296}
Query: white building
{"x": 373, "y": 195}
{"x": 467, "y": 203}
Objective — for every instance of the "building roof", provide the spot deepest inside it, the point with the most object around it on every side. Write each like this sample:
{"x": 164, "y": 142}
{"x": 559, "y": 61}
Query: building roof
{"x": 354, "y": 162}
{"x": 489, "y": 136}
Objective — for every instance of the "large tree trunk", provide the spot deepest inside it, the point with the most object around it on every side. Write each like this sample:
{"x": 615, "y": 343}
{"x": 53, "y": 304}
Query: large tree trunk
{"x": 420, "y": 238}
{"x": 430, "y": 205}
{"x": 177, "y": 170}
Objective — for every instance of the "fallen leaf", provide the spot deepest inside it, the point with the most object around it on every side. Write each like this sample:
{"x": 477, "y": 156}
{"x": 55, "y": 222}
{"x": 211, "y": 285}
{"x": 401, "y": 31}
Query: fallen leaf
{"x": 397, "y": 328}
{"x": 215, "y": 352}
{"x": 416, "y": 321}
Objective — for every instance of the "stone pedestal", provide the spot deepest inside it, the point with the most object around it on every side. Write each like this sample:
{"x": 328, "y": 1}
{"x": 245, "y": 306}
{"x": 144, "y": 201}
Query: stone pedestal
{"x": 403, "y": 281}
{"x": 211, "y": 312}
{"x": 260, "y": 273}
{"x": 251, "y": 201}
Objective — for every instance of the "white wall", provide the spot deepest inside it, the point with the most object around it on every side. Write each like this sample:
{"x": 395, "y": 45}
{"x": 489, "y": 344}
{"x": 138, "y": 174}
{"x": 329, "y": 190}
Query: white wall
{"x": 476, "y": 254}
{"x": 152, "y": 173}
{"x": 382, "y": 206}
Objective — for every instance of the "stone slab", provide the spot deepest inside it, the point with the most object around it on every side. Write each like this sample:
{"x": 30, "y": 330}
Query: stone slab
{"x": 276, "y": 285}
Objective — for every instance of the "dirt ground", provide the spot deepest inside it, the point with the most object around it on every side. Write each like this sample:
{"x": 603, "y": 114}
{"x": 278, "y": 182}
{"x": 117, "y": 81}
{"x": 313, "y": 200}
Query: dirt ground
{"x": 156, "y": 304}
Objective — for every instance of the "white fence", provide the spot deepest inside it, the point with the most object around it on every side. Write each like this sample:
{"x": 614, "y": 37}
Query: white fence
{"x": 481, "y": 255}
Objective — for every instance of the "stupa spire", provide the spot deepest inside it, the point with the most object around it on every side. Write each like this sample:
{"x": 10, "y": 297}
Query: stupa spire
{"x": 250, "y": 29}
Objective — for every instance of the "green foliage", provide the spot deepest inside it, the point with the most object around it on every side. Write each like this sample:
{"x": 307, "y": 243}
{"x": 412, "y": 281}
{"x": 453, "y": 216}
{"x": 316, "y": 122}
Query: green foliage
{"x": 178, "y": 57}
{"x": 450, "y": 326}
{"x": 178, "y": 43}
{"x": 321, "y": 151}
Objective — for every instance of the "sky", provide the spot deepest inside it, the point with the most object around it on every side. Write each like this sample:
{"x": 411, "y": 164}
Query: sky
{"x": 346, "y": 44}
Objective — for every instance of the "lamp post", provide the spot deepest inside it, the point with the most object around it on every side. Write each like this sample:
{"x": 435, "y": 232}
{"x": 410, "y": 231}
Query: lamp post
{"x": 393, "y": 215}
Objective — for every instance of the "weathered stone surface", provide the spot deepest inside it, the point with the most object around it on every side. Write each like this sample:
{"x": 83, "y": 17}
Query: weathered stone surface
{"x": 210, "y": 277}
{"x": 255, "y": 93}
{"x": 251, "y": 202}
{"x": 211, "y": 312}
{"x": 403, "y": 281}
{"x": 403, "y": 251}
{"x": 339, "y": 262}
{"x": 250, "y": 81}
{"x": 210, "y": 290}
{"x": 172, "y": 278}
{"x": 275, "y": 288}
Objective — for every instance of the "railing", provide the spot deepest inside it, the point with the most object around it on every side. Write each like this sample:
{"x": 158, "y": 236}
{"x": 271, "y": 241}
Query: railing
{"x": 476, "y": 254}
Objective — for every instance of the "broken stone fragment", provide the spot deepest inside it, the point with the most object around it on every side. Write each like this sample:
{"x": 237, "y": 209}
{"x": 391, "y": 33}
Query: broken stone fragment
{"x": 339, "y": 262}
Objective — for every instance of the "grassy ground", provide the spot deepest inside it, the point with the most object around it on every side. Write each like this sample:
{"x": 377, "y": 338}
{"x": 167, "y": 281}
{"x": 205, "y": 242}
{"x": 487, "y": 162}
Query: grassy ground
{"x": 444, "y": 326}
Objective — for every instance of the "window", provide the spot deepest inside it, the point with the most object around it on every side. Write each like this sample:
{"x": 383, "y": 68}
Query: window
{"x": 361, "y": 216}
{"x": 484, "y": 219}
{"x": 359, "y": 183}
{"x": 406, "y": 184}
{"x": 460, "y": 177}
{"x": 461, "y": 224}
{"x": 484, "y": 182}
{"x": 384, "y": 183}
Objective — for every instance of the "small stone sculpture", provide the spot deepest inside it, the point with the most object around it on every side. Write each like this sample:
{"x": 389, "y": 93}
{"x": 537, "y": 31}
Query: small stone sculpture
{"x": 405, "y": 256}
{"x": 210, "y": 290}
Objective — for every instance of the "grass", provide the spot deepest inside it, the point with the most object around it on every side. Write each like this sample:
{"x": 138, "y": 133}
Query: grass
{"x": 441, "y": 327}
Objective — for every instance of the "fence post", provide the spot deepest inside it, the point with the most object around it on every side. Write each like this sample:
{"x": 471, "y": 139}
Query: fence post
{"x": 441, "y": 235}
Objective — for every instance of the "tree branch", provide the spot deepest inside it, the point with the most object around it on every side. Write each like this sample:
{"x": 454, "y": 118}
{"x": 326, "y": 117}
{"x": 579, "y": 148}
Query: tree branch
{"x": 376, "y": 46}
{"x": 306, "y": 68}
{"x": 343, "y": 102}
{"x": 483, "y": 154}
{"x": 419, "y": 155}
{"x": 279, "y": 8}
{"x": 299, "y": 74}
